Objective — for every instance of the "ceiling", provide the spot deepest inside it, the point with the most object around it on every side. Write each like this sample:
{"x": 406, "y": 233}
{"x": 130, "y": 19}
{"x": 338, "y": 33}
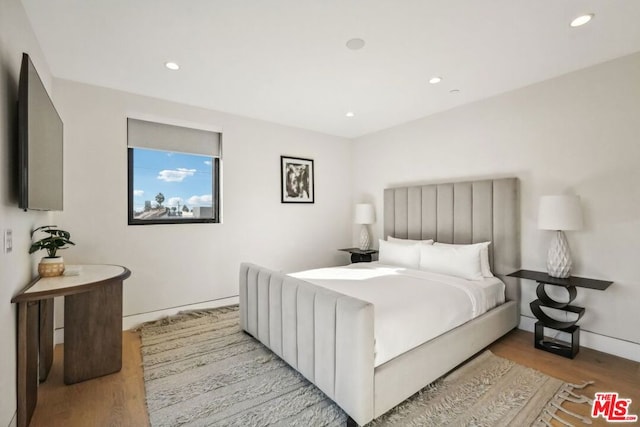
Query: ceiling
{"x": 286, "y": 61}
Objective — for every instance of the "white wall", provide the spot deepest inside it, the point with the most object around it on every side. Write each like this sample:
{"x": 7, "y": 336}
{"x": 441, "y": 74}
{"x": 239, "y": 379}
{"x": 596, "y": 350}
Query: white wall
{"x": 579, "y": 133}
{"x": 175, "y": 265}
{"x": 17, "y": 267}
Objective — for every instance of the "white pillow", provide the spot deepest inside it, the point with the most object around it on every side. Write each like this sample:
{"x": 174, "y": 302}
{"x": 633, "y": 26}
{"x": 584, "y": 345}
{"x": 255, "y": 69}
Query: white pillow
{"x": 484, "y": 256}
{"x": 460, "y": 261}
{"x": 400, "y": 254}
{"x": 409, "y": 241}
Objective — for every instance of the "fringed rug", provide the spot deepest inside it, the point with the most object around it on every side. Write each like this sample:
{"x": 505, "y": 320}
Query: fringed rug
{"x": 200, "y": 369}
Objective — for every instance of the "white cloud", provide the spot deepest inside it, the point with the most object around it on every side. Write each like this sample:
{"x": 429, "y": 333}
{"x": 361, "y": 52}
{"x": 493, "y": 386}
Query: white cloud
{"x": 174, "y": 201}
{"x": 138, "y": 193}
{"x": 204, "y": 200}
{"x": 175, "y": 175}
{"x": 207, "y": 162}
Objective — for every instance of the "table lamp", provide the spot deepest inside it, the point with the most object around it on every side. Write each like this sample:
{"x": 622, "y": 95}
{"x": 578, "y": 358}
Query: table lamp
{"x": 364, "y": 214}
{"x": 559, "y": 213}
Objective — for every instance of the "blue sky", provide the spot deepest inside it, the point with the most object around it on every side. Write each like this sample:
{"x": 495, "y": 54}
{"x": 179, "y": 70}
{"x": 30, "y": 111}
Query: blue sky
{"x": 182, "y": 178}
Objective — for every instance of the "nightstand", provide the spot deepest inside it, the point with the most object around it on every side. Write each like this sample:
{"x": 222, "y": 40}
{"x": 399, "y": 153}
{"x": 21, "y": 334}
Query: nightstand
{"x": 544, "y": 300}
{"x": 359, "y": 255}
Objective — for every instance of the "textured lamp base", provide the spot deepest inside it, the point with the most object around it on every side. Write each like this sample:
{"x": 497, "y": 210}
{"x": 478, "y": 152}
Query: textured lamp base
{"x": 365, "y": 242}
{"x": 559, "y": 257}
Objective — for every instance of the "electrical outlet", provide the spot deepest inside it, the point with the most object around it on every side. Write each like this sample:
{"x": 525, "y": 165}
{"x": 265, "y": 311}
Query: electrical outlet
{"x": 8, "y": 241}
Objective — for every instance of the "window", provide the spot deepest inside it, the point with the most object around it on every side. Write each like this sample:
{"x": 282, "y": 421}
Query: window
{"x": 174, "y": 174}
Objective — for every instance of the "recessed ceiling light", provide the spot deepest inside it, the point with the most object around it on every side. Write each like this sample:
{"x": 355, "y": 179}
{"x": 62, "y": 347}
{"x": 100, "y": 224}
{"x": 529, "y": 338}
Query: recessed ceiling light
{"x": 435, "y": 80}
{"x": 581, "y": 20}
{"x": 172, "y": 66}
{"x": 454, "y": 91}
{"x": 350, "y": 114}
{"x": 355, "y": 44}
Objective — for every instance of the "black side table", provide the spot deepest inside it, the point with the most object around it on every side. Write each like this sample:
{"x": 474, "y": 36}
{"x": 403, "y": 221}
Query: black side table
{"x": 544, "y": 300}
{"x": 359, "y": 255}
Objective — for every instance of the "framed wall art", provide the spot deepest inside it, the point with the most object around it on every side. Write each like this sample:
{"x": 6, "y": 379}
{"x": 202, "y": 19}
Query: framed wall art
{"x": 296, "y": 180}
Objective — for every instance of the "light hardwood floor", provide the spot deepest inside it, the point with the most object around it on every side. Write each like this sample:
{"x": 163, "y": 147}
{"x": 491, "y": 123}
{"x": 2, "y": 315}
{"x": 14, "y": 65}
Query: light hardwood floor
{"x": 113, "y": 400}
{"x": 118, "y": 399}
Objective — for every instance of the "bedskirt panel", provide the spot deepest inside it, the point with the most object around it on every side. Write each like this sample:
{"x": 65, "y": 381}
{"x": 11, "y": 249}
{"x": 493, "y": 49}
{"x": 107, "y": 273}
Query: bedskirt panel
{"x": 326, "y": 336}
{"x": 404, "y": 375}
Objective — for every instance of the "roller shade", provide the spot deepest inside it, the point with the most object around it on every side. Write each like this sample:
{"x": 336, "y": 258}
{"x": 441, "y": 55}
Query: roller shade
{"x": 160, "y": 136}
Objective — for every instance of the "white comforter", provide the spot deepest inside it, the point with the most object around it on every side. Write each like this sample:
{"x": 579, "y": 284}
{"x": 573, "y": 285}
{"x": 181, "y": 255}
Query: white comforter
{"x": 411, "y": 307}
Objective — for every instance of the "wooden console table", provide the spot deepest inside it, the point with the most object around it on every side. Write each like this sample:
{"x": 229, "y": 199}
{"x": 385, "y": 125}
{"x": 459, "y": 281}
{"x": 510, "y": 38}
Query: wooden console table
{"x": 92, "y": 331}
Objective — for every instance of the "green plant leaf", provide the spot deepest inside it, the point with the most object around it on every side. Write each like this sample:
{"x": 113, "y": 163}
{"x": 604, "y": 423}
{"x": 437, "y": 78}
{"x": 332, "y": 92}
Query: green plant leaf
{"x": 56, "y": 239}
{"x": 42, "y": 228}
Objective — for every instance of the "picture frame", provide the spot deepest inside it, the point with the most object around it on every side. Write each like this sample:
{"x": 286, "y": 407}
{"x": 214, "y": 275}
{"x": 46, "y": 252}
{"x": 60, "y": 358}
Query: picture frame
{"x": 296, "y": 180}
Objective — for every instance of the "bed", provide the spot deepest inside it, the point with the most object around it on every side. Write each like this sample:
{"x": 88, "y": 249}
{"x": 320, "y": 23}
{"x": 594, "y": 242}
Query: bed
{"x": 330, "y": 336}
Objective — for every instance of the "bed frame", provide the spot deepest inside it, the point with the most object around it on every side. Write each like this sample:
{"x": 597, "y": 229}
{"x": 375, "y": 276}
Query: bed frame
{"x": 328, "y": 337}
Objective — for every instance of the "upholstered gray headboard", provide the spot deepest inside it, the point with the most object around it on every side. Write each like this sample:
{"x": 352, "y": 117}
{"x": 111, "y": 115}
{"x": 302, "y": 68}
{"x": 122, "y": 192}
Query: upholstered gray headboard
{"x": 462, "y": 212}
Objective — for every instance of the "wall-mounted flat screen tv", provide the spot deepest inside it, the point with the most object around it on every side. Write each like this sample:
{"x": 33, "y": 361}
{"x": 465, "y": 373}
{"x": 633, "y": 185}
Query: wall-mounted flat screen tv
{"x": 40, "y": 140}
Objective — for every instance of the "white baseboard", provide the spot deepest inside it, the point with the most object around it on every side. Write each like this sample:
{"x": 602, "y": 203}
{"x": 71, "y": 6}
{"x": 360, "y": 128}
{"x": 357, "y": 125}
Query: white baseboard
{"x": 617, "y": 347}
{"x": 135, "y": 320}
{"x": 58, "y": 336}
{"x": 14, "y": 420}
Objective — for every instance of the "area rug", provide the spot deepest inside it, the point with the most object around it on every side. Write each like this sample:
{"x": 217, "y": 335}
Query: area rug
{"x": 200, "y": 369}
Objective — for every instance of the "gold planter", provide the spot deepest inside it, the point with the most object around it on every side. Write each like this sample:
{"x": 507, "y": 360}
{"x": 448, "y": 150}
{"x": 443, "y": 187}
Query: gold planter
{"x": 51, "y": 267}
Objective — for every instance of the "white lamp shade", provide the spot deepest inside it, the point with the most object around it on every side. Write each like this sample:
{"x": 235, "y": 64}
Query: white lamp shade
{"x": 364, "y": 214}
{"x": 560, "y": 213}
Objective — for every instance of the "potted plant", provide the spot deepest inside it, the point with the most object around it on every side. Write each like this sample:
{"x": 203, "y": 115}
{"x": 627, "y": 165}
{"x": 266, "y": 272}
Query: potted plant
{"x": 51, "y": 265}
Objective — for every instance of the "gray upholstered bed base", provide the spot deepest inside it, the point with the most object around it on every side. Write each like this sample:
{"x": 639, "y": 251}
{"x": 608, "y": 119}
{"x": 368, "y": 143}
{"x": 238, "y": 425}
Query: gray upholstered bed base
{"x": 401, "y": 377}
{"x": 329, "y": 337}
{"x": 324, "y": 335}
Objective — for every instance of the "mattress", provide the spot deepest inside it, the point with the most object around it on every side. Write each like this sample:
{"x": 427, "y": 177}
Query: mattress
{"x": 411, "y": 307}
